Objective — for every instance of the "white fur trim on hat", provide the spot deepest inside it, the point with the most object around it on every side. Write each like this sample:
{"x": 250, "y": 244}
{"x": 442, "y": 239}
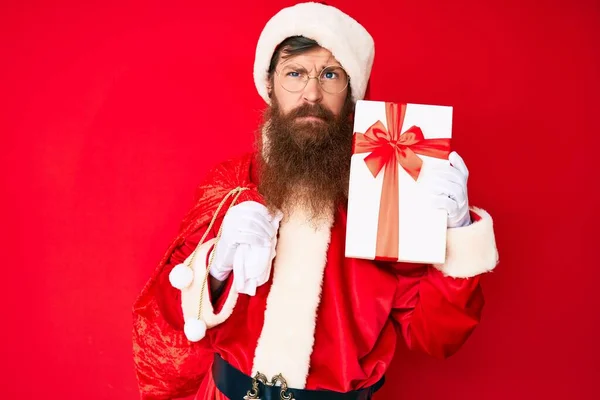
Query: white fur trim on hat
{"x": 471, "y": 250}
{"x": 344, "y": 37}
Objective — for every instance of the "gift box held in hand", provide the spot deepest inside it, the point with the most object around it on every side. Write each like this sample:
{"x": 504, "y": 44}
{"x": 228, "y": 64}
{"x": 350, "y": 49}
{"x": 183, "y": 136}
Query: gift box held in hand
{"x": 389, "y": 215}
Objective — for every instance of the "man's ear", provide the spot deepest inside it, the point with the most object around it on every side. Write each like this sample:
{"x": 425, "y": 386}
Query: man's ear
{"x": 270, "y": 85}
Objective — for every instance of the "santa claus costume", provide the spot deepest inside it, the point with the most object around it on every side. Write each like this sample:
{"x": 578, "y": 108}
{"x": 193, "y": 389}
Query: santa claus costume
{"x": 322, "y": 324}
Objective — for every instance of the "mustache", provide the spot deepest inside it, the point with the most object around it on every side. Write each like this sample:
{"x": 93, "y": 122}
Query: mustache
{"x": 311, "y": 110}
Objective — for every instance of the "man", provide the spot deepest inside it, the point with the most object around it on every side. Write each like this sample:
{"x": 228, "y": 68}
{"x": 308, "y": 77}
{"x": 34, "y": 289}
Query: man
{"x": 254, "y": 298}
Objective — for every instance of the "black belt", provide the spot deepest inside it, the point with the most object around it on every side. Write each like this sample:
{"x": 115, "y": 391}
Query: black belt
{"x": 236, "y": 386}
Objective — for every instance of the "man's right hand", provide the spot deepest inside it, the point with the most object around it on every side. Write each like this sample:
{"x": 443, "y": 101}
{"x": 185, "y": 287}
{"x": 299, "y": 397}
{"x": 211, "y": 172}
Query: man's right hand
{"x": 246, "y": 246}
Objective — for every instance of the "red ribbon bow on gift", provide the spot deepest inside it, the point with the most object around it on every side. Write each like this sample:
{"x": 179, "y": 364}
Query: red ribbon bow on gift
{"x": 389, "y": 148}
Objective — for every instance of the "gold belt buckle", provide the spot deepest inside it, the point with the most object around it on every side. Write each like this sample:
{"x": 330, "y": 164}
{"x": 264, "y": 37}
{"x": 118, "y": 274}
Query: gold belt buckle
{"x": 253, "y": 393}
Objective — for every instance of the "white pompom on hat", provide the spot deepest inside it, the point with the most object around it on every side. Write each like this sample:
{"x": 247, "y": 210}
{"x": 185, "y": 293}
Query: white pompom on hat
{"x": 344, "y": 37}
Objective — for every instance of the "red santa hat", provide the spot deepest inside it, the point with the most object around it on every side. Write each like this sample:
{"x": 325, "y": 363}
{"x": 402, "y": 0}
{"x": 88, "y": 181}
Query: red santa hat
{"x": 344, "y": 37}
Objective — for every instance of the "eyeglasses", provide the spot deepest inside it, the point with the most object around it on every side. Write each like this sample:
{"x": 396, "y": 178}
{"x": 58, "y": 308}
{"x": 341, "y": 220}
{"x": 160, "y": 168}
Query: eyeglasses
{"x": 294, "y": 78}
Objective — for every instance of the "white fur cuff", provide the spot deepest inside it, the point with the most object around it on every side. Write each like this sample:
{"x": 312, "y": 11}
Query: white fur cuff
{"x": 471, "y": 250}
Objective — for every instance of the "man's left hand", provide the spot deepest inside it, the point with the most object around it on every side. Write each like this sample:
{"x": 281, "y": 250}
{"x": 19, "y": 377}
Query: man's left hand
{"x": 447, "y": 186}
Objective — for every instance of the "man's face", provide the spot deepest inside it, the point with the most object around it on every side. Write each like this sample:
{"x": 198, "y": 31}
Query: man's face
{"x": 306, "y": 140}
{"x": 313, "y": 62}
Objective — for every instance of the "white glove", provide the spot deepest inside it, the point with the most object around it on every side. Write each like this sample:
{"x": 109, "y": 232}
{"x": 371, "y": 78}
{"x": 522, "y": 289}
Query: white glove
{"x": 252, "y": 267}
{"x": 447, "y": 186}
{"x": 246, "y": 246}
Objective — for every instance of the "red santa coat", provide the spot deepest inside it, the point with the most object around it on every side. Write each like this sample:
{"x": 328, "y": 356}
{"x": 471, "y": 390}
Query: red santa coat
{"x": 322, "y": 320}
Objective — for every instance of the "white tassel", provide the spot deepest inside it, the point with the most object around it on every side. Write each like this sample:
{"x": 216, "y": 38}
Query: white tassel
{"x": 181, "y": 276}
{"x": 194, "y": 329}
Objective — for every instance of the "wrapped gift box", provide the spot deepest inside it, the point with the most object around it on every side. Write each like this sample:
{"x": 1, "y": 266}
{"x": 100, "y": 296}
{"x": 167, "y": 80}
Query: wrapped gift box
{"x": 389, "y": 217}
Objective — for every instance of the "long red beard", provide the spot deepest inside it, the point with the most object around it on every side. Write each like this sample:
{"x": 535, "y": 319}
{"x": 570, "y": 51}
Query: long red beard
{"x": 305, "y": 163}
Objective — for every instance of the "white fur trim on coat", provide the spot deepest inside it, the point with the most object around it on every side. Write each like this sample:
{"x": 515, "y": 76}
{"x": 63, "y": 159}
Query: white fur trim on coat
{"x": 190, "y": 297}
{"x": 298, "y": 269}
{"x": 471, "y": 250}
{"x": 344, "y": 37}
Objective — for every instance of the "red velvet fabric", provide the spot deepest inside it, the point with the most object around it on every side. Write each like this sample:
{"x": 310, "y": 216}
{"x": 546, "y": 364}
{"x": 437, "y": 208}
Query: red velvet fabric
{"x": 366, "y": 307}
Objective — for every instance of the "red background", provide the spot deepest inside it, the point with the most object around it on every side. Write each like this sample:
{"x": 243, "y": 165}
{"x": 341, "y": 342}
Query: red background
{"x": 111, "y": 113}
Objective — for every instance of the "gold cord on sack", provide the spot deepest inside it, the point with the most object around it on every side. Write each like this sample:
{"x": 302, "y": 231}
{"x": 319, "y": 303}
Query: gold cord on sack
{"x": 236, "y": 193}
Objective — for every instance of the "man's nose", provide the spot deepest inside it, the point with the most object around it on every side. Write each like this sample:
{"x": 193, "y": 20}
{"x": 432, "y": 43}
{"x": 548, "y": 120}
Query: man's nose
{"x": 313, "y": 92}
